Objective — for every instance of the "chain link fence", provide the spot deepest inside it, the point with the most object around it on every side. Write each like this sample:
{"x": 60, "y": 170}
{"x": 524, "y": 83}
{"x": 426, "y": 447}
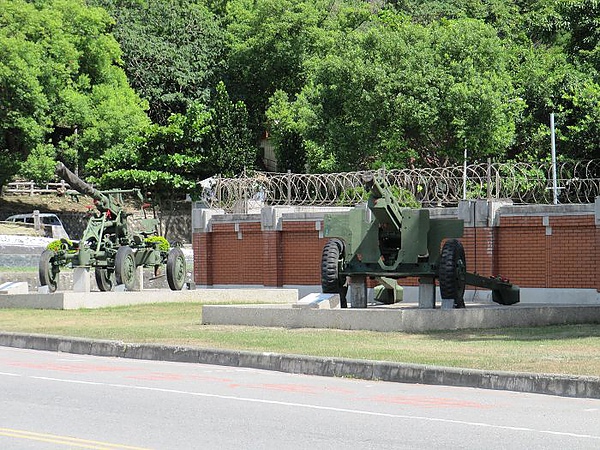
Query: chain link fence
{"x": 523, "y": 183}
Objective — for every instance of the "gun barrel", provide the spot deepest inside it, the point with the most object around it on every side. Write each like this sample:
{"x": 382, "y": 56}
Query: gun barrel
{"x": 77, "y": 183}
{"x": 382, "y": 202}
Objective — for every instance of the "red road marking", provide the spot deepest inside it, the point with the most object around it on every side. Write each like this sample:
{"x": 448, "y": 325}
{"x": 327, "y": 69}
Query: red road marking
{"x": 428, "y": 402}
{"x": 162, "y": 376}
{"x": 70, "y": 368}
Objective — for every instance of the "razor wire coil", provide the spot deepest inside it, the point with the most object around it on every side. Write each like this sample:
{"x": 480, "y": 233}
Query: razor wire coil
{"x": 523, "y": 183}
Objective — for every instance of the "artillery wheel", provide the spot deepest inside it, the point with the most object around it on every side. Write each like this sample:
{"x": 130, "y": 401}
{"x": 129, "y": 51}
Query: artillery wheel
{"x": 125, "y": 267}
{"x": 176, "y": 269}
{"x": 331, "y": 263}
{"x": 105, "y": 279}
{"x": 48, "y": 272}
{"x": 452, "y": 272}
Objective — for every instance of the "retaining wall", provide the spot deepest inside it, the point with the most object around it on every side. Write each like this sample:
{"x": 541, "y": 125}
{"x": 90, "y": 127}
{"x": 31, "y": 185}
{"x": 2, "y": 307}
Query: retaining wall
{"x": 177, "y": 225}
{"x": 535, "y": 246}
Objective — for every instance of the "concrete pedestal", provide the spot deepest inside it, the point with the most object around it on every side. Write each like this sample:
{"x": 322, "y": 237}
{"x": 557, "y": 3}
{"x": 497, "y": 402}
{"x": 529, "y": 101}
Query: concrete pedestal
{"x": 358, "y": 292}
{"x": 427, "y": 293}
{"x": 140, "y": 278}
{"x": 81, "y": 279}
{"x": 447, "y": 303}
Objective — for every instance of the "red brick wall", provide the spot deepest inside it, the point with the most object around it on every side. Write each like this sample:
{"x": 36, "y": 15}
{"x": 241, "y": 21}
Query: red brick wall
{"x": 564, "y": 253}
{"x": 521, "y": 251}
{"x": 234, "y": 260}
{"x": 301, "y": 253}
{"x": 202, "y": 245}
{"x": 479, "y": 250}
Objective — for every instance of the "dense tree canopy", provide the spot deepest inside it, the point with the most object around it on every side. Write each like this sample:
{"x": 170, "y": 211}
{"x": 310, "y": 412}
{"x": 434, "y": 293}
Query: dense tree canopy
{"x": 172, "y": 50}
{"x": 271, "y": 40}
{"x": 63, "y": 94}
{"x": 170, "y": 159}
{"x": 400, "y": 93}
{"x": 162, "y": 93}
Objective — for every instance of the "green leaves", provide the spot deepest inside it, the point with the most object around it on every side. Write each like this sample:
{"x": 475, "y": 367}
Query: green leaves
{"x": 39, "y": 165}
{"x": 62, "y": 93}
{"x": 337, "y": 85}
{"x": 169, "y": 160}
{"x": 388, "y": 95}
{"x": 172, "y": 50}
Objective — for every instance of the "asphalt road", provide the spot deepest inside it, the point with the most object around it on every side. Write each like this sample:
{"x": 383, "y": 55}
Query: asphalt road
{"x": 56, "y": 400}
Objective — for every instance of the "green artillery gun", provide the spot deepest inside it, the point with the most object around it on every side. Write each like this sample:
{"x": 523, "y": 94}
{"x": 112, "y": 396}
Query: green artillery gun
{"x": 109, "y": 246}
{"x": 387, "y": 241}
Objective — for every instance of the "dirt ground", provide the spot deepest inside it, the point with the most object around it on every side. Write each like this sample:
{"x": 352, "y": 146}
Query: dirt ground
{"x": 19, "y": 204}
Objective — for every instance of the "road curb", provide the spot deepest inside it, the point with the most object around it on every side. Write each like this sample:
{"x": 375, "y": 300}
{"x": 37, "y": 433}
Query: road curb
{"x": 560, "y": 385}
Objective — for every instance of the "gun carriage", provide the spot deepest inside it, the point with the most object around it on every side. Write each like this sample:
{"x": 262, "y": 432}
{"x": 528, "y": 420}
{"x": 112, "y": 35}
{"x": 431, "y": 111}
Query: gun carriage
{"x": 391, "y": 242}
{"x": 109, "y": 246}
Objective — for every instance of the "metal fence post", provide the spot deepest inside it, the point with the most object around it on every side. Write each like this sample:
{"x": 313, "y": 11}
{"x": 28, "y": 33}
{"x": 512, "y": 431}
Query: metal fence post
{"x": 289, "y": 187}
{"x": 489, "y": 179}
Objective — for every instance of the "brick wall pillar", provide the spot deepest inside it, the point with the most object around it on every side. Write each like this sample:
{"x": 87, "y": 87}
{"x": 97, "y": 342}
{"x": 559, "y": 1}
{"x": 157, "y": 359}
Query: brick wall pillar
{"x": 202, "y": 243}
{"x": 597, "y": 262}
{"x": 273, "y": 259}
{"x": 479, "y": 245}
{"x": 597, "y": 232}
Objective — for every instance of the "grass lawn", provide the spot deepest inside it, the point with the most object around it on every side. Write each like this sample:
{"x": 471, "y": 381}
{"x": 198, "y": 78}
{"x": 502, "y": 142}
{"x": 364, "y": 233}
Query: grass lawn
{"x": 571, "y": 350}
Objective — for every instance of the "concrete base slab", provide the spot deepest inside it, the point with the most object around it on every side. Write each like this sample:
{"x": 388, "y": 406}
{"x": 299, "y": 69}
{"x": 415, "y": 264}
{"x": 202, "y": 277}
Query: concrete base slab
{"x": 319, "y": 301}
{"x": 406, "y": 318}
{"x": 560, "y": 295}
{"x": 528, "y": 295}
{"x": 14, "y": 287}
{"x": 91, "y": 300}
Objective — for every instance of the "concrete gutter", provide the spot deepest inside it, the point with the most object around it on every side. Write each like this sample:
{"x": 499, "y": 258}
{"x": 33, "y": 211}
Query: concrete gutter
{"x": 561, "y": 385}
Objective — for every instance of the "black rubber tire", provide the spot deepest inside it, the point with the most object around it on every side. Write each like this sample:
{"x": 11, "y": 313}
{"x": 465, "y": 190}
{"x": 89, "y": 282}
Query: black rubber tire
{"x": 331, "y": 259}
{"x": 48, "y": 272}
{"x": 105, "y": 279}
{"x": 452, "y": 272}
{"x": 176, "y": 269}
{"x": 125, "y": 267}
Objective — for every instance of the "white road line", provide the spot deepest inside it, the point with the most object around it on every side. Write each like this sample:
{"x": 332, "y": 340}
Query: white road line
{"x": 8, "y": 374}
{"x": 324, "y": 408}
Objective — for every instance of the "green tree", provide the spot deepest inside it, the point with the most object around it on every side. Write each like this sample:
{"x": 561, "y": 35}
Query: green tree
{"x": 63, "y": 93}
{"x": 549, "y": 81}
{"x": 581, "y": 19}
{"x": 398, "y": 93}
{"x": 269, "y": 42}
{"x": 169, "y": 160}
{"x": 230, "y": 146}
{"x": 173, "y": 51}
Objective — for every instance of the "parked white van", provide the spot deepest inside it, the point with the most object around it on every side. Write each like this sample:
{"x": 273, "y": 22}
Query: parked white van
{"x": 51, "y": 223}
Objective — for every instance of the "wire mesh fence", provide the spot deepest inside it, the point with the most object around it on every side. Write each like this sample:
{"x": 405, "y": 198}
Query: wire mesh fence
{"x": 523, "y": 183}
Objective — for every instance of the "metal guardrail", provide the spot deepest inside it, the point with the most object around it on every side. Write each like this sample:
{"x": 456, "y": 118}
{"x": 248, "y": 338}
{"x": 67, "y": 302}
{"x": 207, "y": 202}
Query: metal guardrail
{"x": 523, "y": 183}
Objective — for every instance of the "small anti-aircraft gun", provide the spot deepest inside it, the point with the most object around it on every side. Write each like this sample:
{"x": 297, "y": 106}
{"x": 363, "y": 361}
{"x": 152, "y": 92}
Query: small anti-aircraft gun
{"x": 387, "y": 241}
{"x": 109, "y": 246}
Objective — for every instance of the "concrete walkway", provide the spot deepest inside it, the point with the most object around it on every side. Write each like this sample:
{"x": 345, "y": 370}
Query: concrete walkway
{"x": 562, "y": 385}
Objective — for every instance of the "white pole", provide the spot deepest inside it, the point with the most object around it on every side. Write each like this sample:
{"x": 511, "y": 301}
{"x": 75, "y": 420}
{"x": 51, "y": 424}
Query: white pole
{"x": 465, "y": 176}
{"x": 553, "y": 143}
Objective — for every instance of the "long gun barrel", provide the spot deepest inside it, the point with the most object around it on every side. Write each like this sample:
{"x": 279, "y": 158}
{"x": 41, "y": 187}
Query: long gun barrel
{"x": 382, "y": 201}
{"x": 103, "y": 202}
{"x": 77, "y": 183}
